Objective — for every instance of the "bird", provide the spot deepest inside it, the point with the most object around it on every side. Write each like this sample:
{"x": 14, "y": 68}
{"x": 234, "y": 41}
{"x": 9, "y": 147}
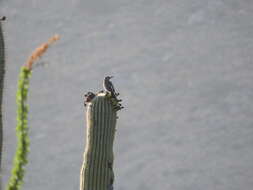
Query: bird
{"x": 108, "y": 86}
{"x": 88, "y": 97}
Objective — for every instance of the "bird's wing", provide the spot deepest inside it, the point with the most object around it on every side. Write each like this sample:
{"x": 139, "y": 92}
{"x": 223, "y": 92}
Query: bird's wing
{"x": 112, "y": 87}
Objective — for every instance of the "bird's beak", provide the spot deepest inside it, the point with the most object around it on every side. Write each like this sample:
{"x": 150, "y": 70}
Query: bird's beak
{"x": 111, "y": 77}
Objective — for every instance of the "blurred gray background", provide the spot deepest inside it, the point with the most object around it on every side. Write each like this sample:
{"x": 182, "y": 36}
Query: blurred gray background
{"x": 184, "y": 70}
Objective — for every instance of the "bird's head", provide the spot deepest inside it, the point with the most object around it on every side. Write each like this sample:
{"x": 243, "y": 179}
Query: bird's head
{"x": 108, "y": 77}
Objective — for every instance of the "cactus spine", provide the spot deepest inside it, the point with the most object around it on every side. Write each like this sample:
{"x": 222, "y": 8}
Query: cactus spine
{"x": 97, "y": 169}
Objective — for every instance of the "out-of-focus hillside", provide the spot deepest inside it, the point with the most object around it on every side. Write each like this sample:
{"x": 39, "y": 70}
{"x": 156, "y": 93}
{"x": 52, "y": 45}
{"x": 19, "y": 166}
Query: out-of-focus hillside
{"x": 184, "y": 71}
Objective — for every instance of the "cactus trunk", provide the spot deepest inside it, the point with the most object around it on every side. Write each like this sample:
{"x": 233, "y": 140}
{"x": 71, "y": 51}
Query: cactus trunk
{"x": 97, "y": 169}
{"x": 2, "y": 71}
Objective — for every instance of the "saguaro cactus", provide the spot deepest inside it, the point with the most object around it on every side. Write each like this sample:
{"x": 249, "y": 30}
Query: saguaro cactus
{"x": 2, "y": 71}
{"x": 97, "y": 169}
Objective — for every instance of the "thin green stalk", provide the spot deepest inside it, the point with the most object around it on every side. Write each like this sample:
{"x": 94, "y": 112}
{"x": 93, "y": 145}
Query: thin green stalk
{"x": 20, "y": 160}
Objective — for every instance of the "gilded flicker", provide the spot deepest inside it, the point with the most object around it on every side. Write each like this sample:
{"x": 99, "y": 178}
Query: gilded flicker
{"x": 108, "y": 86}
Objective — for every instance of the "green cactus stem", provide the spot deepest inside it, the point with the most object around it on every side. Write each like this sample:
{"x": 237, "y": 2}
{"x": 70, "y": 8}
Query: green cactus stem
{"x": 20, "y": 159}
{"x": 2, "y": 71}
{"x": 97, "y": 168}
